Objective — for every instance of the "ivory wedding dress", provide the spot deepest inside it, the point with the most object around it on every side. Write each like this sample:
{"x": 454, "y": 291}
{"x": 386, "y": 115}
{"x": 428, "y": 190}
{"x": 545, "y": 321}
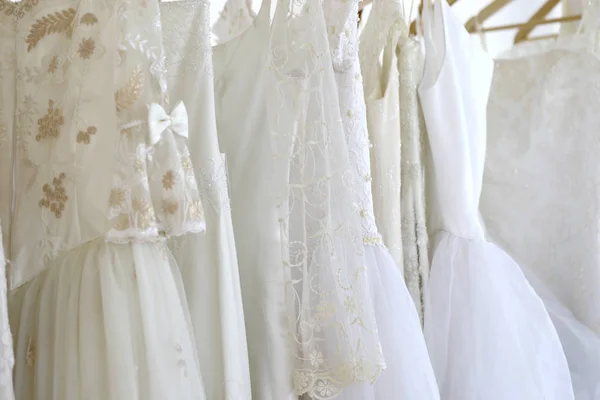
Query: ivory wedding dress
{"x": 488, "y": 333}
{"x": 208, "y": 261}
{"x": 540, "y": 193}
{"x": 408, "y": 374}
{"x": 396, "y": 132}
{"x": 100, "y": 172}
{"x": 307, "y": 303}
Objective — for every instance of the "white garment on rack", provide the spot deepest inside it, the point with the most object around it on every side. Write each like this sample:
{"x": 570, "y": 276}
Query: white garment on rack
{"x": 298, "y": 238}
{"x": 488, "y": 333}
{"x": 208, "y": 261}
{"x": 409, "y": 374}
{"x": 396, "y": 132}
{"x": 540, "y": 196}
{"x": 97, "y": 308}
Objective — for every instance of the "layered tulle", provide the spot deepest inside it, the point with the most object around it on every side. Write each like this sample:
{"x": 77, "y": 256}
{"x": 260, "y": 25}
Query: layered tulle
{"x": 408, "y": 375}
{"x": 105, "y": 322}
{"x": 581, "y": 344}
{"x": 488, "y": 333}
{"x": 217, "y": 312}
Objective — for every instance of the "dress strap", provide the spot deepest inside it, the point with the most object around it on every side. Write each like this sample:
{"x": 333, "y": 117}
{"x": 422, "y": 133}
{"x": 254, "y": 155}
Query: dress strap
{"x": 265, "y": 11}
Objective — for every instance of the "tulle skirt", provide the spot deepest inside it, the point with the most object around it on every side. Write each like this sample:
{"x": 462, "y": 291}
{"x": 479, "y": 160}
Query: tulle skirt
{"x": 409, "y": 374}
{"x": 105, "y": 322}
{"x": 581, "y": 344}
{"x": 209, "y": 268}
{"x": 488, "y": 333}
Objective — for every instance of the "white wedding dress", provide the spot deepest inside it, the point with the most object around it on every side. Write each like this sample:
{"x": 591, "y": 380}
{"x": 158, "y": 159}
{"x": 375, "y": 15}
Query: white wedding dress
{"x": 309, "y": 318}
{"x": 408, "y": 374}
{"x": 488, "y": 333}
{"x": 540, "y": 197}
{"x": 396, "y": 132}
{"x": 208, "y": 261}
{"x": 97, "y": 306}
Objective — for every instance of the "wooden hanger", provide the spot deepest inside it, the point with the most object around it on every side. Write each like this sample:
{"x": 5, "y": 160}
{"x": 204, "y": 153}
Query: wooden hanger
{"x": 569, "y": 18}
{"x": 534, "y": 21}
{"x": 486, "y": 14}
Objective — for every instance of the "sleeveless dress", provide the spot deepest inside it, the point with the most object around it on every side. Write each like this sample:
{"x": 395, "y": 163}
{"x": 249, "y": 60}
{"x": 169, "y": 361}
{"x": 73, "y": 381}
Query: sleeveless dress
{"x": 208, "y": 261}
{"x": 542, "y": 163}
{"x": 408, "y": 374}
{"x": 396, "y": 132}
{"x": 488, "y": 333}
{"x": 309, "y": 318}
{"x": 97, "y": 306}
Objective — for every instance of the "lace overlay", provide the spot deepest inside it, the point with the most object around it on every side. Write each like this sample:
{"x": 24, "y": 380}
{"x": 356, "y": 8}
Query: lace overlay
{"x": 343, "y": 38}
{"x": 335, "y": 332}
{"x": 63, "y": 125}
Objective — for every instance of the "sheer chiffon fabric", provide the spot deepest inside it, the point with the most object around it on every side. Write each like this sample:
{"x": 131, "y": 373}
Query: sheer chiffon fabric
{"x": 488, "y": 332}
{"x": 106, "y": 321}
{"x": 298, "y": 238}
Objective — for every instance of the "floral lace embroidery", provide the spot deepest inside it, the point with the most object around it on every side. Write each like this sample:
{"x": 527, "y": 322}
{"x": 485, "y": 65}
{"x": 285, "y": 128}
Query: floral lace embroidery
{"x": 320, "y": 226}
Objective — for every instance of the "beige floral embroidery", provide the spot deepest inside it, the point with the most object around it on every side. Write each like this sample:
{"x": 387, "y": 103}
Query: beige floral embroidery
{"x": 30, "y": 352}
{"x": 88, "y": 19}
{"x": 17, "y": 9}
{"x": 131, "y": 131}
{"x": 146, "y": 216}
{"x": 53, "y": 65}
{"x": 130, "y": 93}
{"x": 55, "y": 196}
{"x": 117, "y": 198}
{"x": 86, "y": 48}
{"x": 49, "y": 125}
{"x": 85, "y": 136}
{"x": 122, "y": 223}
{"x": 186, "y": 164}
{"x": 196, "y": 211}
{"x": 168, "y": 180}
{"x": 170, "y": 207}
{"x": 371, "y": 240}
{"x": 57, "y": 22}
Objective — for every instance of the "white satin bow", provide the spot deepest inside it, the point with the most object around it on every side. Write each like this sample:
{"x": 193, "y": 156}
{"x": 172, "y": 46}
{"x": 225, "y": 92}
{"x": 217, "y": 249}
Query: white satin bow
{"x": 159, "y": 121}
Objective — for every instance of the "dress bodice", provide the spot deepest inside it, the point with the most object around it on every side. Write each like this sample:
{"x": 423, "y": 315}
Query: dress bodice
{"x": 90, "y": 160}
{"x": 454, "y": 94}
